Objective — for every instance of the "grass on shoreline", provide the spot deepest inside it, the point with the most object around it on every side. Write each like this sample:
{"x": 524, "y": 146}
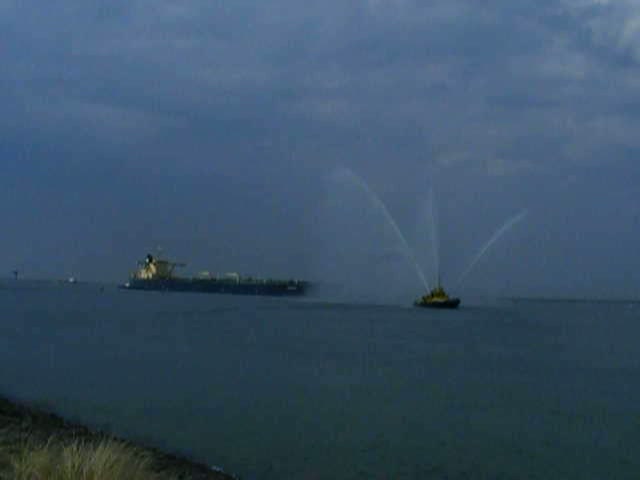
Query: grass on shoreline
{"x": 36, "y": 444}
{"x": 104, "y": 459}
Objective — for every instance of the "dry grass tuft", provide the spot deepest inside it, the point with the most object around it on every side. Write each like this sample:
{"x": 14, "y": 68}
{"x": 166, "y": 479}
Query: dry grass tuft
{"x": 105, "y": 459}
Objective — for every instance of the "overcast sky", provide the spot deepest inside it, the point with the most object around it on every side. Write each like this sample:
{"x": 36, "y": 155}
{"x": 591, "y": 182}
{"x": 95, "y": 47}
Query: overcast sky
{"x": 214, "y": 129}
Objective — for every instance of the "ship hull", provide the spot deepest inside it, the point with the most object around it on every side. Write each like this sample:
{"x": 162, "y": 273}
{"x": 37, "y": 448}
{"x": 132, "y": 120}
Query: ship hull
{"x": 446, "y": 304}
{"x": 276, "y": 288}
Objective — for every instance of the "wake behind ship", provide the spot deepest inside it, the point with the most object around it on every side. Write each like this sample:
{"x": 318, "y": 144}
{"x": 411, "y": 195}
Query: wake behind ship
{"x": 157, "y": 274}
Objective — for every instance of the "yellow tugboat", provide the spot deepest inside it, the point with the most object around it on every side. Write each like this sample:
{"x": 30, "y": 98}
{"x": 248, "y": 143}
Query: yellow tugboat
{"x": 437, "y": 298}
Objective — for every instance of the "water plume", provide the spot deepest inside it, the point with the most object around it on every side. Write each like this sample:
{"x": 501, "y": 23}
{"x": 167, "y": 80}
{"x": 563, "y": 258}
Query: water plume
{"x": 435, "y": 241}
{"x": 345, "y": 174}
{"x": 494, "y": 238}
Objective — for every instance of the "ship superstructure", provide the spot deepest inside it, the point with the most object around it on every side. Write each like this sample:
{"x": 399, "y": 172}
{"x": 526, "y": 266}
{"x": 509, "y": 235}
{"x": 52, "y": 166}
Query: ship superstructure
{"x": 155, "y": 269}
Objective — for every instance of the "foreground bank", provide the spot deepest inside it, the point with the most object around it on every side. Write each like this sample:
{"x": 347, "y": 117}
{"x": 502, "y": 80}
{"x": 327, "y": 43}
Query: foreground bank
{"x": 32, "y": 439}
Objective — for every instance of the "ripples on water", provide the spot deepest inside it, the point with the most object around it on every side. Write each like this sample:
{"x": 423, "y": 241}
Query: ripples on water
{"x": 307, "y": 389}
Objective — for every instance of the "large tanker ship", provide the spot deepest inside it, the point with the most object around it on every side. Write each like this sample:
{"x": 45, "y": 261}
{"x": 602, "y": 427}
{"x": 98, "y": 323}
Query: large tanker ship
{"x": 158, "y": 274}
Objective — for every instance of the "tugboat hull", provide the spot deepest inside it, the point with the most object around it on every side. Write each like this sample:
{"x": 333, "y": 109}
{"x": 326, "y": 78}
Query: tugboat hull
{"x": 451, "y": 303}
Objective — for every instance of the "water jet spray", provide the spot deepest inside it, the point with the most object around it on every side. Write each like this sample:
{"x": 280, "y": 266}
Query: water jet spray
{"x": 348, "y": 175}
{"x": 494, "y": 238}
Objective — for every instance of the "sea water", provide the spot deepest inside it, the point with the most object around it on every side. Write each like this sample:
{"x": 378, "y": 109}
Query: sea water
{"x": 270, "y": 388}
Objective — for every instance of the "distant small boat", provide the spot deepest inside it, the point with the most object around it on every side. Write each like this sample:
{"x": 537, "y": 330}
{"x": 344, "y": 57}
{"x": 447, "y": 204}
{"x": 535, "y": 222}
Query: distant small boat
{"x": 72, "y": 280}
{"x": 437, "y": 298}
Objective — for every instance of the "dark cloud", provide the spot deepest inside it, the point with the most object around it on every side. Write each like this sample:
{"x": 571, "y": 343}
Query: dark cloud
{"x": 105, "y": 105}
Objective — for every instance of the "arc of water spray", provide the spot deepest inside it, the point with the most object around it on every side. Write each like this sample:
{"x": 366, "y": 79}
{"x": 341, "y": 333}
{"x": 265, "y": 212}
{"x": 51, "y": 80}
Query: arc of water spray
{"x": 434, "y": 235}
{"x": 494, "y": 238}
{"x": 380, "y": 204}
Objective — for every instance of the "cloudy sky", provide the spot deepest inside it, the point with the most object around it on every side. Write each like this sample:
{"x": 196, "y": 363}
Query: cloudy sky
{"x": 214, "y": 129}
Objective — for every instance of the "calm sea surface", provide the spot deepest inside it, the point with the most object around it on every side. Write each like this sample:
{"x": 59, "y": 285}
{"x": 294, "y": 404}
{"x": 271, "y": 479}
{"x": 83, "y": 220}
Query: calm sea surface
{"x": 300, "y": 389}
